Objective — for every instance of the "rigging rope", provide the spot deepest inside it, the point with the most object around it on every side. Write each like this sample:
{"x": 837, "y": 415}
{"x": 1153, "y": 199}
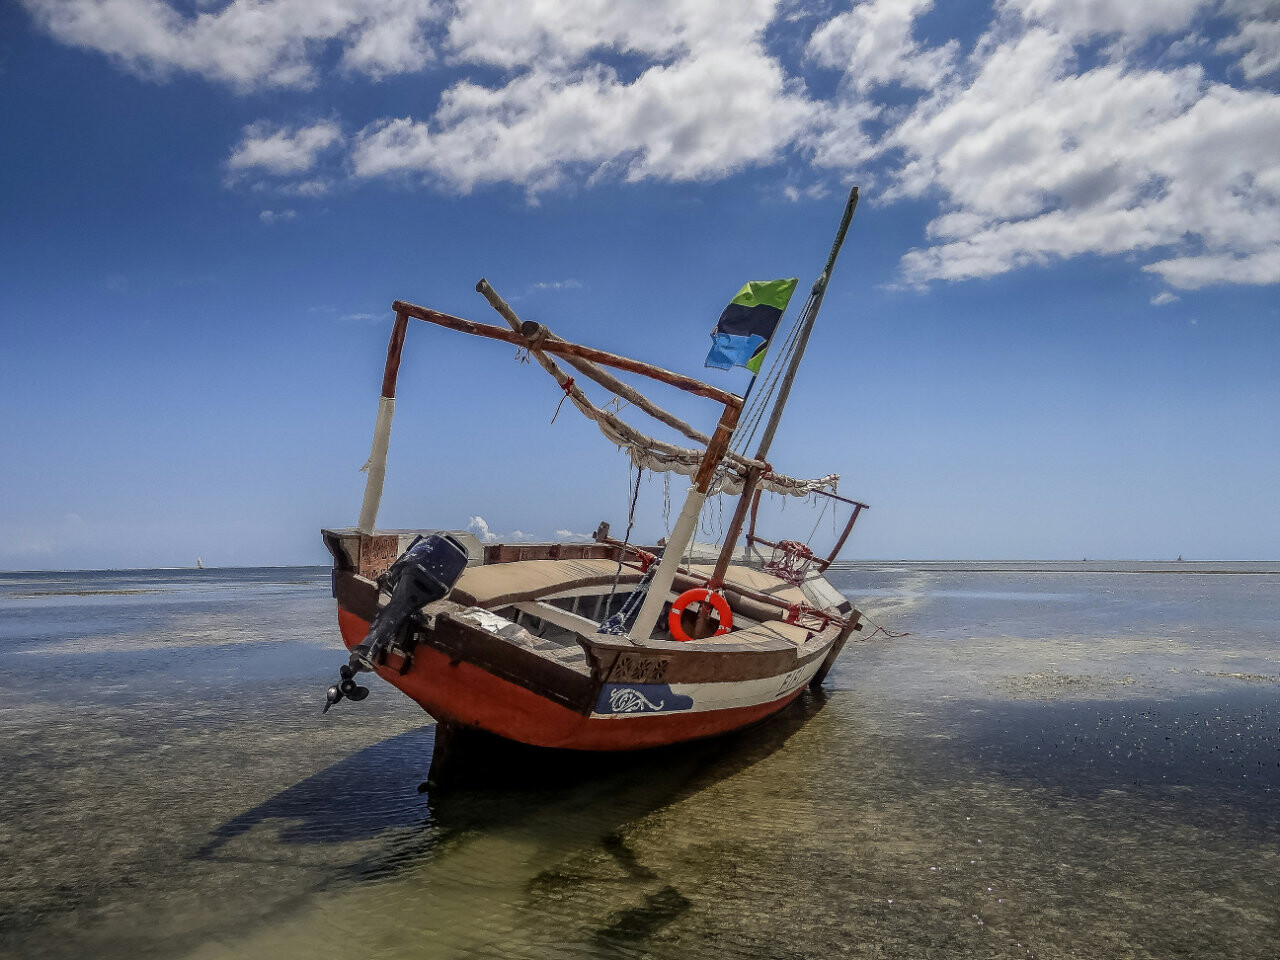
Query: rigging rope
{"x": 749, "y": 424}
{"x": 620, "y": 622}
{"x": 626, "y": 540}
{"x": 821, "y": 513}
{"x": 567, "y": 387}
{"x": 754, "y": 413}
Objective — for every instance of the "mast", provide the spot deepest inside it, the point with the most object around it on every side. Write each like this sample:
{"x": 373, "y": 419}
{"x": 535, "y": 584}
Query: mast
{"x": 686, "y": 525}
{"x": 808, "y": 316}
{"x": 811, "y": 307}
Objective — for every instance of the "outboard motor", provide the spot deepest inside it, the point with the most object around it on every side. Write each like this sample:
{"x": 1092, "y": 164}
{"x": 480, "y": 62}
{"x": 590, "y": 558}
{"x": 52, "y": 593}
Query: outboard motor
{"x": 423, "y": 574}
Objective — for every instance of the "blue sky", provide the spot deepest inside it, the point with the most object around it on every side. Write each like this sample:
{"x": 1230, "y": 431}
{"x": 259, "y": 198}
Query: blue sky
{"x": 1052, "y": 333}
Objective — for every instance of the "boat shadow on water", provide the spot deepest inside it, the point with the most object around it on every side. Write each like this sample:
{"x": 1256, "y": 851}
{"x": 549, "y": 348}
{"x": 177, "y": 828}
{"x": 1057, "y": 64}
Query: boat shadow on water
{"x": 573, "y": 798}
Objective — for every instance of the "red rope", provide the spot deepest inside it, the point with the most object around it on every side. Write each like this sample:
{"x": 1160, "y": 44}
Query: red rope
{"x": 567, "y": 387}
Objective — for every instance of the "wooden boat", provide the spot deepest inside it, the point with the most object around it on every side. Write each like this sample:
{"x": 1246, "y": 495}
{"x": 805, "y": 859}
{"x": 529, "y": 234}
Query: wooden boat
{"x": 602, "y": 646}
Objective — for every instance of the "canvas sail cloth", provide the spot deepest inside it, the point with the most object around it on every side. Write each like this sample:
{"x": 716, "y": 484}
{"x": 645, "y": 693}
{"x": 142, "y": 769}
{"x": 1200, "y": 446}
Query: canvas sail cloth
{"x": 659, "y": 457}
{"x": 742, "y": 334}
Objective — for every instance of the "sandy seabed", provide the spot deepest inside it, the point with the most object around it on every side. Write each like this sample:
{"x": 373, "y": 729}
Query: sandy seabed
{"x": 1048, "y": 763}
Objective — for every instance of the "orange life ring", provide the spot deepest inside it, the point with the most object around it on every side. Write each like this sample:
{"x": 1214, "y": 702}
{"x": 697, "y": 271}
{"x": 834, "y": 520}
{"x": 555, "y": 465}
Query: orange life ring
{"x": 699, "y": 595}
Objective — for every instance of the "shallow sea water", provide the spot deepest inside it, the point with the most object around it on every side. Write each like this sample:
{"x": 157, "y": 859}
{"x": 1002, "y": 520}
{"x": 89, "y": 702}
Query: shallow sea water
{"x": 1054, "y": 760}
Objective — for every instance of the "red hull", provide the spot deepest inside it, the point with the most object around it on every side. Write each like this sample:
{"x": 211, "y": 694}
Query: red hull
{"x": 462, "y": 693}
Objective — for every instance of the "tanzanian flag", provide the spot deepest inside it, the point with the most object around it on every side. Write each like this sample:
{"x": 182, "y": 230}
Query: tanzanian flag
{"x": 741, "y": 337}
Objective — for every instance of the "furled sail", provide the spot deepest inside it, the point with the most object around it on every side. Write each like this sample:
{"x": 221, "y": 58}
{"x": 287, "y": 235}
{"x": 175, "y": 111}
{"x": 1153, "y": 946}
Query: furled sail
{"x": 662, "y": 457}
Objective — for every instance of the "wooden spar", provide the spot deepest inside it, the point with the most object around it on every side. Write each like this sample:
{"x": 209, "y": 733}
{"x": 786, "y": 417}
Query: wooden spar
{"x": 755, "y": 512}
{"x": 848, "y": 529}
{"x": 749, "y": 488}
{"x": 620, "y": 427}
{"x": 685, "y": 526}
{"x": 377, "y": 464}
{"x": 567, "y": 349}
{"x": 536, "y": 335}
{"x": 533, "y": 337}
{"x": 589, "y": 369}
{"x": 784, "y": 391}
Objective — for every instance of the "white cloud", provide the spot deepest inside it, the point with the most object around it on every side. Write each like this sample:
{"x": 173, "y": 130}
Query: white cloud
{"x": 1191, "y": 273}
{"x": 318, "y": 187}
{"x": 873, "y": 44}
{"x": 271, "y": 43}
{"x": 1070, "y": 127}
{"x": 559, "y": 35}
{"x": 569, "y": 284}
{"x": 1036, "y": 160}
{"x": 1133, "y": 19}
{"x": 276, "y": 216}
{"x": 1162, "y": 298}
{"x": 480, "y": 527}
{"x": 1257, "y": 40}
{"x": 283, "y": 150}
{"x": 701, "y": 117}
{"x": 392, "y": 38}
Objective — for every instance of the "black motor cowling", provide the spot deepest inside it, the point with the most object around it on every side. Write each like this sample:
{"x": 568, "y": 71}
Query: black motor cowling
{"x": 423, "y": 574}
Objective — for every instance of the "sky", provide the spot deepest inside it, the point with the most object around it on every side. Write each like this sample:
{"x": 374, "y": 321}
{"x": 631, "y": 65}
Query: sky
{"x": 1052, "y": 334}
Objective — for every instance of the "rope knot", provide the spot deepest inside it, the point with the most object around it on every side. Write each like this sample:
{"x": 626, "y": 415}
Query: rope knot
{"x": 567, "y": 387}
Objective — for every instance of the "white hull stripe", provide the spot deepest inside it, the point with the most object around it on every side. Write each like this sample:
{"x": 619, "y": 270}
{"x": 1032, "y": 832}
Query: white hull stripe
{"x": 651, "y": 699}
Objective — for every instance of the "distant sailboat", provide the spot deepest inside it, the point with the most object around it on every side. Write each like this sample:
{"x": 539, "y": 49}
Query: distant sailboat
{"x": 199, "y": 563}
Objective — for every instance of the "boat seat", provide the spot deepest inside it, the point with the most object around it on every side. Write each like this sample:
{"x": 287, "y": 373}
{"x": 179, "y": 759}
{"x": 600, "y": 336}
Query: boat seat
{"x": 502, "y": 584}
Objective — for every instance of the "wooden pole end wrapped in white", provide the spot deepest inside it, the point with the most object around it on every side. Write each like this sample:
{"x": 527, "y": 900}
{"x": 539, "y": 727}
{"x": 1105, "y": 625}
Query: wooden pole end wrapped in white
{"x": 376, "y": 467}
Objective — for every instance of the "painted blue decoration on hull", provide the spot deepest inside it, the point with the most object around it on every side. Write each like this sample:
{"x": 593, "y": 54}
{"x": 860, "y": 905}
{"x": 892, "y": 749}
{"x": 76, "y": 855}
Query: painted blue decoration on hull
{"x": 641, "y": 698}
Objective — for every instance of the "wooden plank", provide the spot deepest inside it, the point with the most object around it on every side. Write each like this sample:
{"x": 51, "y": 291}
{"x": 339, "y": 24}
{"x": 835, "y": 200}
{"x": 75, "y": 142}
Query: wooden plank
{"x": 512, "y": 553}
{"x": 377, "y": 553}
{"x": 355, "y": 594}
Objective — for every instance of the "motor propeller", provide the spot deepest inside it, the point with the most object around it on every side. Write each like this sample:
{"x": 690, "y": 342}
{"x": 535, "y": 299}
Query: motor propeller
{"x": 346, "y": 687}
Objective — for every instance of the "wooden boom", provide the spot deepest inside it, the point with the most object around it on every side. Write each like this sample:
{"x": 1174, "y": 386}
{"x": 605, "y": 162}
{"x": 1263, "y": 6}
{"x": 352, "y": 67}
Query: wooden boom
{"x": 588, "y": 369}
{"x": 566, "y": 349}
